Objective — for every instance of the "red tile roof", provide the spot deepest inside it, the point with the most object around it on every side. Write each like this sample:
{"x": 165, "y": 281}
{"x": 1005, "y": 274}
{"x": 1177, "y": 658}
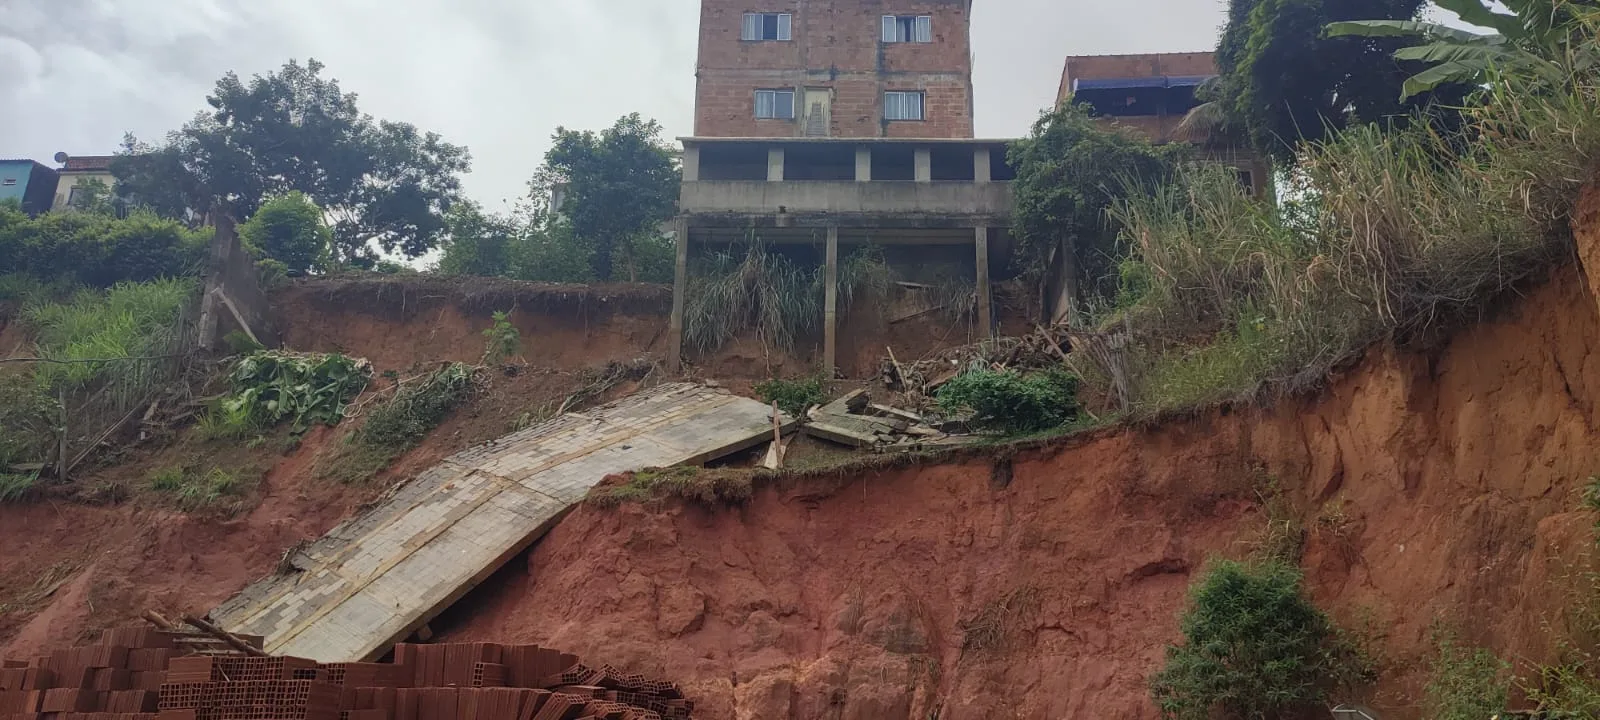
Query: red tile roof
{"x": 88, "y": 162}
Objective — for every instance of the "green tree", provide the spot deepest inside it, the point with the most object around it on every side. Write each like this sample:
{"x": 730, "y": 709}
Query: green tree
{"x": 289, "y": 228}
{"x": 479, "y": 242}
{"x": 1254, "y": 648}
{"x": 1070, "y": 170}
{"x": 1283, "y": 80}
{"x": 620, "y": 184}
{"x": 1534, "y": 41}
{"x": 384, "y": 186}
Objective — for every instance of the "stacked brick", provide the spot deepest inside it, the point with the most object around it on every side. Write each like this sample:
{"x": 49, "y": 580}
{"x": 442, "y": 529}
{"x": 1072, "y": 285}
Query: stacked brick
{"x": 137, "y": 674}
{"x": 116, "y": 679}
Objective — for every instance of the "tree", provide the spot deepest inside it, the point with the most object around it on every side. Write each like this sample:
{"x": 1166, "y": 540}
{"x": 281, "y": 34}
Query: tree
{"x": 1069, "y": 172}
{"x": 289, "y": 229}
{"x": 1284, "y": 81}
{"x": 1532, "y": 41}
{"x": 1254, "y": 647}
{"x": 382, "y": 185}
{"x": 523, "y": 244}
{"x": 620, "y": 185}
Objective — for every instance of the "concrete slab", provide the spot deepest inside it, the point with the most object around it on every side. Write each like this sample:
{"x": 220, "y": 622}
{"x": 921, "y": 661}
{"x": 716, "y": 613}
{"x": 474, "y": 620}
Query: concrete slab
{"x": 376, "y": 578}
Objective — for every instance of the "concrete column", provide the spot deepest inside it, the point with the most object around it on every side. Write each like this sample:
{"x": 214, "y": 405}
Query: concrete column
{"x": 691, "y": 163}
{"x": 775, "y": 164}
{"x": 985, "y": 316}
{"x": 924, "y": 164}
{"x": 680, "y": 290}
{"x": 863, "y": 164}
{"x": 981, "y": 172}
{"x": 830, "y": 307}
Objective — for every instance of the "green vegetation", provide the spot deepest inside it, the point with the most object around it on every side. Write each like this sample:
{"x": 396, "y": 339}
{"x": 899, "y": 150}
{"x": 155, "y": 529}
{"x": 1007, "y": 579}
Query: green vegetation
{"x": 1254, "y": 647}
{"x": 792, "y": 396}
{"x": 289, "y": 229}
{"x": 503, "y": 340}
{"x": 94, "y": 250}
{"x": 396, "y": 426}
{"x": 1465, "y": 683}
{"x": 1010, "y": 402}
{"x": 268, "y": 388}
{"x": 385, "y": 185}
{"x": 775, "y": 296}
{"x": 713, "y": 488}
{"x": 17, "y": 487}
{"x": 193, "y": 491}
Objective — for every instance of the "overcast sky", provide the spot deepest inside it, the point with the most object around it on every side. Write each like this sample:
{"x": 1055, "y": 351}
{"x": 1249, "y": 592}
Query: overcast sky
{"x": 495, "y": 75}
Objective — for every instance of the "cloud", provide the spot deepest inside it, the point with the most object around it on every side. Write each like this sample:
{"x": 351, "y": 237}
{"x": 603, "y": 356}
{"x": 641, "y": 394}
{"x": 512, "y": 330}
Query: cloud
{"x": 494, "y": 75}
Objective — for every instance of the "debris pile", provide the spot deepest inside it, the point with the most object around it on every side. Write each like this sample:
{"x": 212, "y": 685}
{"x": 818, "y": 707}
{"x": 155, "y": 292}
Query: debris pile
{"x": 138, "y": 674}
{"x": 856, "y": 421}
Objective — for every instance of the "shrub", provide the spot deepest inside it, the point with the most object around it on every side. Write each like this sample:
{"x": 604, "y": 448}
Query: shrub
{"x": 504, "y": 340}
{"x": 1465, "y": 683}
{"x": 1010, "y": 402}
{"x": 193, "y": 491}
{"x": 290, "y": 229}
{"x": 1254, "y": 647}
{"x": 17, "y": 487}
{"x": 416, "y": 411}
{"x": 792, "y": 396}
{"x": 130, "y": 320}
{"x": 268, "y": 388}
{"x": 100, "y": 251}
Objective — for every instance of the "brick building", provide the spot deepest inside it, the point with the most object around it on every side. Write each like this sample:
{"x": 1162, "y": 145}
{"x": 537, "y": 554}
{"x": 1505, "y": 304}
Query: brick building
{"x": 826, "y": 124}
{"x": 835, "y": 68}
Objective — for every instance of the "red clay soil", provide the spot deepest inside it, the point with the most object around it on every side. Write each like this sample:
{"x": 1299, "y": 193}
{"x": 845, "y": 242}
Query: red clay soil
{"x": 1436, "y": 486}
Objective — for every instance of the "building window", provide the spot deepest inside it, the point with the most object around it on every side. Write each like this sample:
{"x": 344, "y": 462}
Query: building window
{"x": 907, "y": 29}
{"x": 903, "y": 105}
{"x": 774, "y": 104}
{"x": 767, "y": 26}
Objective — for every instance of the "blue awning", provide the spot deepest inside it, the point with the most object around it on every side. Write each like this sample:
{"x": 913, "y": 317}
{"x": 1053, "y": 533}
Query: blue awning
{"x": 1137, "y": 83}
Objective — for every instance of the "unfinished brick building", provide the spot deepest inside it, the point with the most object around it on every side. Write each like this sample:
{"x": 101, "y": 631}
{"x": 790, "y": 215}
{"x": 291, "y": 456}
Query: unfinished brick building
{"x": 828, "y": 122}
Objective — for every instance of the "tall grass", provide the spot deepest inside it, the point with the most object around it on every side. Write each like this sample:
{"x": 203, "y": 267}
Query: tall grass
{"x": 1384, "y": 233}
{"x": 131, "y": 320}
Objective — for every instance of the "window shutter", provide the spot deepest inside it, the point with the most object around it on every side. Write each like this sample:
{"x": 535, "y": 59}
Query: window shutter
{"x": 891, "y": 29}
{"x": 764, "y": 103}
{"x": 752, "y": 27}
{"x": 785, "y": 27}
{"x": 925, "y": 29}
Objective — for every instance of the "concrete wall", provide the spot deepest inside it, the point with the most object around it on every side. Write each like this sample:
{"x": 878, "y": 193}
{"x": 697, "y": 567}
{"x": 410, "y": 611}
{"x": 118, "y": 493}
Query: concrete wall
{"x": 938, "y": 198}
{"x": 836, "y": 48}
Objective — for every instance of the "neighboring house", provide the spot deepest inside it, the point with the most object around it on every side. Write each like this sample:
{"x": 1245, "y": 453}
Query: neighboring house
{"x": 1150, "y": 95}
{"x": 831, "y": 123}
{"x": 76, "y": 170}
{"x": 28, "y": 182}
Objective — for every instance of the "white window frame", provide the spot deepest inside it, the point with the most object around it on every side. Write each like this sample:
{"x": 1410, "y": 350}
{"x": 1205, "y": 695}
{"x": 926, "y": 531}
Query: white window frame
{"x": 772, "y": 95}
{"x": 754, "y": 28}
{"x": 894, "y": 30}
{"x": 898, "y": 105}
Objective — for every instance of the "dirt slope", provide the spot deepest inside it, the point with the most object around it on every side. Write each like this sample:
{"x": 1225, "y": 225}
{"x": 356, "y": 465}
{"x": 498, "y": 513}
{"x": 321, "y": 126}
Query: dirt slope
{"x": 1435, "y": 485}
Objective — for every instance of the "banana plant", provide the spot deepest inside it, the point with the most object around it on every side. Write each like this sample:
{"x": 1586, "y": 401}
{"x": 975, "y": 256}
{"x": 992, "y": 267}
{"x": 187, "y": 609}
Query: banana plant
{"x": 1534, "y": 40}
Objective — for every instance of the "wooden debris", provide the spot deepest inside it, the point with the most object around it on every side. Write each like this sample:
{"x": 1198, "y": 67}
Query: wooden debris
{"x": 856, "y": 421}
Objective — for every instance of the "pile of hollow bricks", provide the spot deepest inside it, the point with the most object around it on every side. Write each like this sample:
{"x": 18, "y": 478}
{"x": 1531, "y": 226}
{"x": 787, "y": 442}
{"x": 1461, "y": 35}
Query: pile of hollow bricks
{"x": 468, "y": 681}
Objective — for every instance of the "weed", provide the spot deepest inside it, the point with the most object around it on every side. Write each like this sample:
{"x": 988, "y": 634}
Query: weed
{"x": 398, "y": 425}
{"x": 503, "y": 340}
{"x": 1010, "y": 402}
{"x": 792, "y": 396}
{"x": 194, "y": 491}
{"x": 713, "y": 488}
{"x": 272, "y": 387}
{"x": 1254, "y": 647}
{"x": 239, "y": 343}
{"x": 18, "y": 487}
{"x": 1465, "y": 683}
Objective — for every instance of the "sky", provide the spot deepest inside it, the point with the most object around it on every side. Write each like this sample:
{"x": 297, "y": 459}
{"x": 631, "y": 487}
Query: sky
{"x": 498, "y": 76}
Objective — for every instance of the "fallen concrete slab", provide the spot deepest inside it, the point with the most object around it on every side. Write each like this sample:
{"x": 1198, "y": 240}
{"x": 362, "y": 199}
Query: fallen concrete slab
{"x": 377, "y": 578}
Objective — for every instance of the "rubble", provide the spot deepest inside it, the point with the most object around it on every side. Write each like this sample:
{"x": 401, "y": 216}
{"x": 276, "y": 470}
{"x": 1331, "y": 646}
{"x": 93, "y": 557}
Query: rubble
{"x": 856, "y": 421}
{"x": 141, "y": 674}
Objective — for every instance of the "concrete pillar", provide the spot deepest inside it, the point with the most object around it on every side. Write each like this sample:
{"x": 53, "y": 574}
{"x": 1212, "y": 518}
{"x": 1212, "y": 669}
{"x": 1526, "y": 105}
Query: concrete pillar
{"x": 981, "y": 172}
{"x": 985, "y": 315}
{"x": 691, "y": 163}
{"x": 775, "y": 164}
{"x": 924, "y": 164}
{"x": 863, "y": 164}
{"x": 830, "y": 307}
{"x": 680, "y": 291}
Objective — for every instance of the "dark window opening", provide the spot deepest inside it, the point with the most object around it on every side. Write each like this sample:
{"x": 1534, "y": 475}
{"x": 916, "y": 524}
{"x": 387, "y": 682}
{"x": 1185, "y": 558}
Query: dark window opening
{"x": 819, "y": 162}
{"x": 894, "y": 163}
{"x": 767, "y": 26}
{"x": 733, "y": 162}
{"x": 953, "y": 163}
{"x": 1247, "y": 180}
{"x": 1000, "y": 168}
{"x": 1139, "y": 101}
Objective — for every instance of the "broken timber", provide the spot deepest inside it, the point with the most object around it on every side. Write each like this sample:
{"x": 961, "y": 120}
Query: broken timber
{"x": 379, "y": 577}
